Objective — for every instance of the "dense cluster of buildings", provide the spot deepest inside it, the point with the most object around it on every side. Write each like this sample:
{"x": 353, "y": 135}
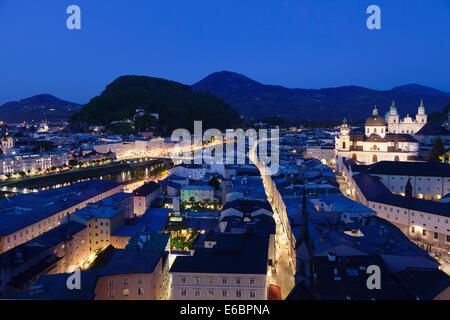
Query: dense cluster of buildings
{"x": 341, "y": 205}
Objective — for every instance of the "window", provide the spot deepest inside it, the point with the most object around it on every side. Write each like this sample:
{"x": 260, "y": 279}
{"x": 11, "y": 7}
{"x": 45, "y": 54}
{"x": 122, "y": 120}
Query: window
{"x": 197, "y": 293}
{"x": 448, "y": 238}
{"x": 197, "y": 280}
{"x": 183, "y": 280}
{"x": 126, "y": 292}
{"x": 140, "y": 291}
{"x": 252, "y": 294}
{"x": 110, "y": 282}
{"x": 224, "y": 293}
{"x": 424, "y": 232}
{"x": 252, "y": 282}
{"x": 413, "y": 229}
{"x": 210, "y": 280}
{"x": 183, "y": 293}
{"x": 140, "y": 280}
{"x": 238, "y": 281}
{"x": 436, "y": 235}
{"x": 111, "y": 294}
{"x": 125, "y": 280}
{"x": 211, "y": 293}
{"x": 238, "y": 294}
{"x": 224, "y": 280}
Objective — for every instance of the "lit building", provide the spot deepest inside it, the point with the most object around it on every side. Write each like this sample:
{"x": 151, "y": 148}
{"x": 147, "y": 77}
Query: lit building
{"x": 134, "y": 275}
{"x": 234, "y": 267}
{"x": 191, "y": 171}
{"x": 59, "y": 250}
{"x": 199, "y": 193}
{"x": 406, "y": 125}
{"x": 25, "y": 217}
{"x": 377, "y": 143}
{"x": 104, "y": 217}
{"x": 10, "y": 164}
{"x": 429, "y": 180}
{"x": 7, "y": 142}
{"x": 144, "y": 196}
{"x": 425, "y": 222}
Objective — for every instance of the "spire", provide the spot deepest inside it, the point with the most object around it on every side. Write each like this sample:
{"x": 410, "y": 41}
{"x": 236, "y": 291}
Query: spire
{"x": 375, "y": 111}
{"x": 393, "y": 107}
{"x": 305, "y": 230}
{"x": 345, "y": 121}
{"x": 408, "y": 190}
{"x": 421, "y": 107}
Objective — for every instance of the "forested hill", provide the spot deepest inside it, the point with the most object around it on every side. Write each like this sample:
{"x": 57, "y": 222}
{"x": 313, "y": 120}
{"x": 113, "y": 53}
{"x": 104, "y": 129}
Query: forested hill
{"x": 177, "y": 105}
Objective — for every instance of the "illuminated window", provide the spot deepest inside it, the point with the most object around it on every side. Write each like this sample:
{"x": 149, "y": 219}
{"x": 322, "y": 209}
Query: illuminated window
{"x": 126, "y": 292}
{"x": 140, "y": 291}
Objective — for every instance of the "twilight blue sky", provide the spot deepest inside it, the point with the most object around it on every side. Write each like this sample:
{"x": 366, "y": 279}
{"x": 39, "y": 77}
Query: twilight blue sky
{"x": 295, "y": 43}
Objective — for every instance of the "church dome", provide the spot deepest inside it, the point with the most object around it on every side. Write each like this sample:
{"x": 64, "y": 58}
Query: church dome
{"x": 375, "y": 119}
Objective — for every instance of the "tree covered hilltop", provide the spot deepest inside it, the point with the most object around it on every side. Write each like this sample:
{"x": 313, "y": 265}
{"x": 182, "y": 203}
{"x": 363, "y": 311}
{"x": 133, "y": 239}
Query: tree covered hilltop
{"x": 173, "y": 105}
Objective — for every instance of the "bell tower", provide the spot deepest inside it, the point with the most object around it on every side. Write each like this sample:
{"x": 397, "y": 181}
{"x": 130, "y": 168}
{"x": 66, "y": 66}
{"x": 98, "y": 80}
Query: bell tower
{"x": 393, "y": 118}
{"x": 344, "y": 139}
{"x": 421, "y": 116}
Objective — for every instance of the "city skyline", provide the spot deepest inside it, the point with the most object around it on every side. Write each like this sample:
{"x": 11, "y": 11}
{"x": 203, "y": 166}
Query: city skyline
{"x": 239, "y": 155}
{"x": 296, "y": 44}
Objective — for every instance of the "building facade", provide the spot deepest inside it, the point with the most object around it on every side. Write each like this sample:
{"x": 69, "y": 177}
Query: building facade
{"x": 377, "y": 143}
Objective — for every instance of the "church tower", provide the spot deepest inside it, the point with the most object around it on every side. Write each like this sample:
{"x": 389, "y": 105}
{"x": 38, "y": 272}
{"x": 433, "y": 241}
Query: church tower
{"x": 421, "y": 116}
{"x": 393, "y": 118}
{"x": 344, "y": 139}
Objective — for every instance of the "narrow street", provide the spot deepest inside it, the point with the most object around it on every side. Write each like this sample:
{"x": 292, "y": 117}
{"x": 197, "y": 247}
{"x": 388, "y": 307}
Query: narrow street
{"x": 282, "y": 274}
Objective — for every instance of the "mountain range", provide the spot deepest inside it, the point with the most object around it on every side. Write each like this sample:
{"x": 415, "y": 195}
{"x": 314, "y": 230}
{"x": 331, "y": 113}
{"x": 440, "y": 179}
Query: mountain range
{"x": 37, "y": 108}
{"x": 246, "y": 96}
{"x": 253, "y": 99}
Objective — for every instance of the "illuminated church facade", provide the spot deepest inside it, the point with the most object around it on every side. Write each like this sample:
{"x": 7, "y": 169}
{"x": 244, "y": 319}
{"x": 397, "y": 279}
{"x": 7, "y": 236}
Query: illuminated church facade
{"x": 386, "y": 138}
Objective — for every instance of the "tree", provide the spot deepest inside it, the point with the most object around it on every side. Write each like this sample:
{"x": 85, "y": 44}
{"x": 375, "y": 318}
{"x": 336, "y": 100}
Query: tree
{"x": 437, "y": 150}
{"x": 214, "y": 182}
{"x": 41, "y": 146}
{"x": 73, "y": 163}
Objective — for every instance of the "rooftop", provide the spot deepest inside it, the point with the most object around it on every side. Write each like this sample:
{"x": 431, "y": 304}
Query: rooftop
{"x": 233, "y": 254}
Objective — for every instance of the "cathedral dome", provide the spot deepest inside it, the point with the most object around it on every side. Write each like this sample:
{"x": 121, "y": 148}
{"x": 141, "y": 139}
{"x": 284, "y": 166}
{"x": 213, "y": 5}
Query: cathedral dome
{"x": 375, "y": 119}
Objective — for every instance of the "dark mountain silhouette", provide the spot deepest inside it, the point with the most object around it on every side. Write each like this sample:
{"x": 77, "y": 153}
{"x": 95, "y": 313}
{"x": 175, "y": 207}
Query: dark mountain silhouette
{"x": 419, "y": 89}
{"x": 37, "y": 108}
{"x": 257, "y": 100}
{"x": 177, "y": 105}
